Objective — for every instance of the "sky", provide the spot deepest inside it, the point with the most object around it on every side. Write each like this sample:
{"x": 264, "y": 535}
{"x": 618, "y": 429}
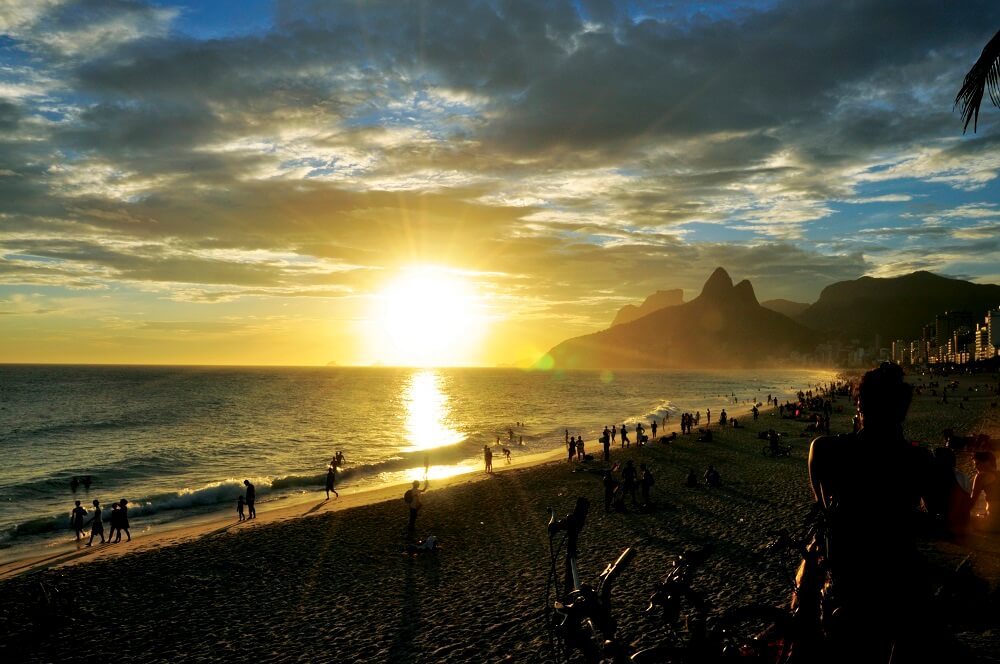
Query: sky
{"x": 466, "y": 183}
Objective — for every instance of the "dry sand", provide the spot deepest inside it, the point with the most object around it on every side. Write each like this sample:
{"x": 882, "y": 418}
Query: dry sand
{"x": 331, "y": 584}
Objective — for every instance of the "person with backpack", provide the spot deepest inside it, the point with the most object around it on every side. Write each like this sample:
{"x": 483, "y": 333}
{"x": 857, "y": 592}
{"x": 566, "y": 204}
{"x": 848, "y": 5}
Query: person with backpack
{"x": 413, "y": 501}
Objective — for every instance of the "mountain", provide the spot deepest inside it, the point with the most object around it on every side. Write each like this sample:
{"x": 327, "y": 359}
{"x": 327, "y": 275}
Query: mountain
{"x": 723, "y": 328}
{"x": 661, "y": 299}
{"x": 785, "y": 307}
{"x": 894, "y": 308}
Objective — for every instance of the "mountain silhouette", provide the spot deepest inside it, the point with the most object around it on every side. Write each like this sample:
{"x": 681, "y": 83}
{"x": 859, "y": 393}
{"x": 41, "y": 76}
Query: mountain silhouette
{"x": 724, "y": 327}
{"x": 894, "y": 308}
{"x": 661, "y": 299}
{"x": 786, "y": 307}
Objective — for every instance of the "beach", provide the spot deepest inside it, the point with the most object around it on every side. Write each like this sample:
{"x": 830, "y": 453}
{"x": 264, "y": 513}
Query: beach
{"x": 327, "y": 581}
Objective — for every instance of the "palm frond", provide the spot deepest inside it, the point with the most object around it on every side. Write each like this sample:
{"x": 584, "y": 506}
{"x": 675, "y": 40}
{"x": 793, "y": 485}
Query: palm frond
{"x": 984, "y": 75}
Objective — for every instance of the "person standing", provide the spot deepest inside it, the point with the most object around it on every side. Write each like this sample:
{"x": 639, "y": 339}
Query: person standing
{"x": 251, "y": 499}
{"x": 413, "y": 500}
{"x": 239, "y": 507}
{"x": 629, "y": 479}
{"x": 873, "y": 482}
{"x": 645, "y": 482}
{"x": 488, "y": 458}
{"x": 113, "y": 521}
{"x": 76, "y": 519}
{"x": 96, "y": 524}
{"x": 614, "y": 432}
{"x": 625, "y": 441}
{"x": 654, "y": 428}
{"x": 606, "y": 441}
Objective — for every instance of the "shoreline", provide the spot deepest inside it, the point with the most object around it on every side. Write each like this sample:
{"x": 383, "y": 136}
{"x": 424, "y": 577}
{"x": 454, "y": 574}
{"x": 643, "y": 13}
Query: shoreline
{"x": 333, "y": 586}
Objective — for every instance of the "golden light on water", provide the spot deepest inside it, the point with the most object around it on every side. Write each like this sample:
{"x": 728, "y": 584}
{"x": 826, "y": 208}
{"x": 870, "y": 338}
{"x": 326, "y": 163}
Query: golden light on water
{"x": 428, "y": 417}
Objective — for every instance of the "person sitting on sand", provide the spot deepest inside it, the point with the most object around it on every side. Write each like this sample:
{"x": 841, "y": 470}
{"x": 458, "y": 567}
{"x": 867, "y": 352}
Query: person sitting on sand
{"x": 427, "y": 545}
{"x": 705, "y": 435}
{"x": 985, "y": 482}
{"x": 712, "y": 477}
{"x": 691, "y": 481}
{"x": 878, "y": 578}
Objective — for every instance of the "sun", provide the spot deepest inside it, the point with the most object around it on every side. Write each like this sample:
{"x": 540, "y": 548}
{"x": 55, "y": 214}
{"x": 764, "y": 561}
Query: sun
{"x": 428, "y": 316}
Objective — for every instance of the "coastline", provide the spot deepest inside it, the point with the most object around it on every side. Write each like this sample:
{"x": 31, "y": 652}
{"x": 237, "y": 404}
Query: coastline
{"x": 329, "y": 583}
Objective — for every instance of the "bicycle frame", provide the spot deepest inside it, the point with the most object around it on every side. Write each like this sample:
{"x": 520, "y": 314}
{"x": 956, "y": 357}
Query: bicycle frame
{"x": 584, "y": 611}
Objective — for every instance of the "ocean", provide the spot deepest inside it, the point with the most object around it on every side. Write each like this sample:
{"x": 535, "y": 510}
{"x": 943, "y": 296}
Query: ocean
{"x": 179, "y": 441}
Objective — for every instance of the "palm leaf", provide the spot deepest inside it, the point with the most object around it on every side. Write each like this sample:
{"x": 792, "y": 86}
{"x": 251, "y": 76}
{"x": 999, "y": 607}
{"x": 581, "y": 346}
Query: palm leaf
{"x": 984, "y": 75}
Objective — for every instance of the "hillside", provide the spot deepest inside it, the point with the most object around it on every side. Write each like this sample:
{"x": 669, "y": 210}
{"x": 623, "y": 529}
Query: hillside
{"x": 659, "y": 300}
{"x": 785, "y": 307}
{"x": 893, "y": 308}
{"x": 724, "y": 327}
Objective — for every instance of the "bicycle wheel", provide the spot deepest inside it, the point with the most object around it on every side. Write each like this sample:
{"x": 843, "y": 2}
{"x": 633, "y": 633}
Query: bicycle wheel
{"x": 755, "y": 633}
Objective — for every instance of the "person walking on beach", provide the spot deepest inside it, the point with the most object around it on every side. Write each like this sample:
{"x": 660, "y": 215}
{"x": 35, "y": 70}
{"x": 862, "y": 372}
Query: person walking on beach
{"x": 614, "y": 433}
{"x": 113, "y": 522}
{"x": 708, "y": 417}
{"x": 625, "y": 441}
{"x": 331, "y": 479}
{"x": 123, "y": 521}
{"x": 413, "y": 500}
{"x": 251, "y": 499}
{"x": 239, "y": 507}
{"x": 76, "y": 519}
{"x": 874, "y": 481}
{"x": 96, "y": 524}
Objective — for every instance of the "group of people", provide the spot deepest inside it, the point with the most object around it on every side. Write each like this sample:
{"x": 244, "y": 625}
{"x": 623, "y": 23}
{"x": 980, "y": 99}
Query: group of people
{"x": 616, "y": 489}
{"x": 331, "y": 473}
{"x": 712, "y": 478}
{"x": 117, "y": 522}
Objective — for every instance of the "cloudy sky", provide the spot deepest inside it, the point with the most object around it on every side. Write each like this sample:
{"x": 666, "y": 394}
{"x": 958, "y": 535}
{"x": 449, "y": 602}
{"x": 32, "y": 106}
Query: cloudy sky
{"x": 245, "y": 182}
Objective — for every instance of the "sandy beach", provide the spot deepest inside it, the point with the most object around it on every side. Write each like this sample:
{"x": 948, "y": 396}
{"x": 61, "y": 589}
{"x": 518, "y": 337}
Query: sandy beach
{"x": 326, "y": 581}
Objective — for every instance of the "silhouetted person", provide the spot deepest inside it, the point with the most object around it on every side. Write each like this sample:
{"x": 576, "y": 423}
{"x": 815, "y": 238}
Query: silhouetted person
{"x": 239, "y": 507}
{"x": 606, "y": 442}
{"x": 96, "y": 524}
{"x": 723, "y": 417}
{"x": 85, "y": 481}
{"x": 712, "y": 477}
{"x": 625, "y": 441}
{"x": 654, "y": 428}
{"x": 986, "y": 482}
{"x": 646, "y": 482}
{"x": 630, "y": 479}
{"x": 609, "y": 489}
{"x": 506, "y": 454}
{"x": 251, "y": 498}
{"x": 871, "y": 484}
{"x": 579, "y": 448}
{"x": 113, "y": 522}
{"x": 331, "y": 479}
{"x": 123, "y": 521}
{"x": 488, "y": 458}
{"x": 948, "y": 503}
{"x": 413, "y": 500}
{"x": 76, "y": 519}
{"x": 691, "y": 480}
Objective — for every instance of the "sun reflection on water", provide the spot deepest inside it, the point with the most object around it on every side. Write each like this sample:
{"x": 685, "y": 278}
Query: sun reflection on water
{"x": 428, "y": 417}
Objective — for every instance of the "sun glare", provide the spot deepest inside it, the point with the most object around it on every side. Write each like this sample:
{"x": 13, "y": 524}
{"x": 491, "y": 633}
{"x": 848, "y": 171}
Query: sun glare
{"x": 426, "y": 317}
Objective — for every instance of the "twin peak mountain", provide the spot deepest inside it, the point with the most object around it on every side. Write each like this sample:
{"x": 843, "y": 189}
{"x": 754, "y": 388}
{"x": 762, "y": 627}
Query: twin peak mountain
{"x": 725, "y": 327}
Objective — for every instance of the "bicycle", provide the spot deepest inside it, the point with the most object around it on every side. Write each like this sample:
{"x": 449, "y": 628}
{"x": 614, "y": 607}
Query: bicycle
{"x": 582, "y": 619}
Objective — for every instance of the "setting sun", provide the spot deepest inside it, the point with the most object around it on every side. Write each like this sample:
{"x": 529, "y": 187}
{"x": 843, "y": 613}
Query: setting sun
{"x": 427, "y": 316}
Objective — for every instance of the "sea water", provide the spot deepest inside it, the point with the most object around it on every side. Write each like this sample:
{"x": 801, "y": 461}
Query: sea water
{"x": 179, "y": 441}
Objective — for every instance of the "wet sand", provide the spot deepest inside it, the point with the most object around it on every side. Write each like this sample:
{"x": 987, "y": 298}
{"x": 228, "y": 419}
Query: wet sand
{"x": 326, "y": 580}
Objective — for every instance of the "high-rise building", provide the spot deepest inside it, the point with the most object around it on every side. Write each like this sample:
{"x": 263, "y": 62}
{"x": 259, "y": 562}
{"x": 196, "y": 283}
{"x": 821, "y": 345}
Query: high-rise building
{"x": 948, "y": 323}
